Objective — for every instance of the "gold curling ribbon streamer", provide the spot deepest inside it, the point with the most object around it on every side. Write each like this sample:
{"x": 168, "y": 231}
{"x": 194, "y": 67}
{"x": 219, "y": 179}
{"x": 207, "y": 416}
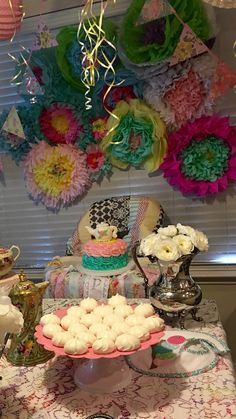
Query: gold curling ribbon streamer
{"x": 14, "y": 81}
{"x": 94, "y": 34}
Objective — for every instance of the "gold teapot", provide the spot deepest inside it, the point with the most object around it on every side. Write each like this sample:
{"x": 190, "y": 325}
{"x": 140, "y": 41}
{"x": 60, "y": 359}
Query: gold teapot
{"x": 24, "y": 348}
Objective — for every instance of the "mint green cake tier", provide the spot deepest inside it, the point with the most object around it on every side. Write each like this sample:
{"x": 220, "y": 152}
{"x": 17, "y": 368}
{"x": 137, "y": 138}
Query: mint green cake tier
{"x": 104, "y": 264}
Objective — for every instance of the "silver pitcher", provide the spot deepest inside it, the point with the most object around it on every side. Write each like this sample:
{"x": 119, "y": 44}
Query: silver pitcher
{"x": 175, "y": 293}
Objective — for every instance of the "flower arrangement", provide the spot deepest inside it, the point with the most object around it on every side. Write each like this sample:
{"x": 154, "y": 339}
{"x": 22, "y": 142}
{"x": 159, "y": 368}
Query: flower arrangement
{"x": 170, "y": 243}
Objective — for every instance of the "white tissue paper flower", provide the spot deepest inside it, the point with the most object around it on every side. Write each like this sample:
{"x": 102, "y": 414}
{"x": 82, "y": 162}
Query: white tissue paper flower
{"x": 189, "y": 231}
{"x": 11, "y": 319}
{"x": 200, "y": 240}
{"x": 184, "y": 243}
{"x": 169, "y": 231}
{"x": 167, "y": 250}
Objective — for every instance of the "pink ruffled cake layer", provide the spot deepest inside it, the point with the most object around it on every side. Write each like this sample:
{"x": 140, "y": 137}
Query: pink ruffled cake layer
{"x": 98, "y": 248}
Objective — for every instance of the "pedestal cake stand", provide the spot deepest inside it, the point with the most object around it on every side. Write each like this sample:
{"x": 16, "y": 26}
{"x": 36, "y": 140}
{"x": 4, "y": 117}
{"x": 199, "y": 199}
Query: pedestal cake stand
{"x": 98, "y": 373}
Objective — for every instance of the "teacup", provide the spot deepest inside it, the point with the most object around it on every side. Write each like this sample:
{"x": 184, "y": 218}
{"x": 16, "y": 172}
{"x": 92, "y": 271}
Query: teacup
{"x": 7, "y": 259}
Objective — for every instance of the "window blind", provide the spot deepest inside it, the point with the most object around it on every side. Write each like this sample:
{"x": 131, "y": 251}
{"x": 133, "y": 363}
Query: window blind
{"x": 42, "y": 234}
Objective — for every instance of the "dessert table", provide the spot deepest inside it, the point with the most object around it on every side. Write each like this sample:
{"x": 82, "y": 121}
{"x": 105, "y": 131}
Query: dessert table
{"x": 48, "y": 391}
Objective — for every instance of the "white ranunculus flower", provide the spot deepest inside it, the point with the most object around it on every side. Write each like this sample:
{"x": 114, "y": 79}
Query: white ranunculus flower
{"x": 189, "y": 231}
{"x": 184, "y": 243}
{"x": 168, "y": 231}
{"x": 200, "y": 240}
{"x": 167, "y": 250}
{"x": 148, "y": 244}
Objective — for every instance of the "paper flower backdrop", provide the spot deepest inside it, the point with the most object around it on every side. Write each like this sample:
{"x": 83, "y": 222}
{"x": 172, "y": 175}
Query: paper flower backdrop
{"x": 158, "y": 80}
{"x": 138, "y": 139}
{"x": 56, "y": 176}
{"x": 201, "y": 156}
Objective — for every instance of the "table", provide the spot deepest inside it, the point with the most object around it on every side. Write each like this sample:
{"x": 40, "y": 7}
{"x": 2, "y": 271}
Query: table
{"x": 48, "y": 391}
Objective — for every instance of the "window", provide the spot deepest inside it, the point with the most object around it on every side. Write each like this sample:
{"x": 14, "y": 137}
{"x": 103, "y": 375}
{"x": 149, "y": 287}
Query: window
{"x": 42, "y": 234}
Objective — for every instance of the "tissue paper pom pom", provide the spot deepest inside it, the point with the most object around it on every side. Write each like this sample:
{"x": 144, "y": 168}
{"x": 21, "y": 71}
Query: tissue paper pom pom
{"x": 97, "y": 164}
{"x": 60, "y": 124}
{"x": 201, "y": 156}
{"x": 142, "y": 49}
{"x": 56, "y": 176}
{"x": 139, "y": 139}
{"x": 69, "y": 52}
{"x": 168, "y": 93}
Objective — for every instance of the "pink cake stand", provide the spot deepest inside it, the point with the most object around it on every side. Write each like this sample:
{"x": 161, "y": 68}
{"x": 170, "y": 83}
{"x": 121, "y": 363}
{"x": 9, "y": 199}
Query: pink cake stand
{"x": 98, "y": 373}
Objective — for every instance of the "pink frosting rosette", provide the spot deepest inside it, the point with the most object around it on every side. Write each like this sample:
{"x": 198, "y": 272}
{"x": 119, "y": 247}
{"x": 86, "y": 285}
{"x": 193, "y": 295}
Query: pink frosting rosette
{"x": 105, "y": 249}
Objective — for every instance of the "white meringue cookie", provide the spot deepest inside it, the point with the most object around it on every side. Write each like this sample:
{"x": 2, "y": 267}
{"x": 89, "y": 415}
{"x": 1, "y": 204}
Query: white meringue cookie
{"x": 60, "y": 338}
{"x": 111, "y": 319}
{"x": 127, "y": 342}
{"x": 89, "y": 319}
{"x": 141, "y": 332}
{"x": 75, "y": 346}
{"x": 123, "y": 310}
{"x": 103, "y": 346}
{"x": 88, "y": 304}
{"x": 76, "y": 311}
{"x": 49, "y": 319}
{"x": 154, "y": 324}
{"x": 117, "y": 300}
{"x": 103, "y": 310}
{"x": 76, "y": 328}
{"x": 107, "y": 334}
{"x": 50, "y": 329}
{"x": 87, "y": 337}
{"x": 67, "y": 321}
{"x": 144, "y": 309}
{"x": 120, "y": 328}
{"x": 98, "y": 328}
{"x": 134, "y": 320}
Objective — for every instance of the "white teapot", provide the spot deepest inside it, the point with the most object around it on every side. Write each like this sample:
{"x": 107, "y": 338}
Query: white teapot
{"x": 7, "y": 259}
{"x": 103, "y": 232}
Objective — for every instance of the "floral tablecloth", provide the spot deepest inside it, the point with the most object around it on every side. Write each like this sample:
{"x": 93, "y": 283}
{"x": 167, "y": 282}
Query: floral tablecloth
{"x": 48, "y": 391}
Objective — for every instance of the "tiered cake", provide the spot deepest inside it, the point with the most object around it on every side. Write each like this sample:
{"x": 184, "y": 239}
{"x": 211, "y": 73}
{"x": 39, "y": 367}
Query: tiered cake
{"x": 105, "y": 252}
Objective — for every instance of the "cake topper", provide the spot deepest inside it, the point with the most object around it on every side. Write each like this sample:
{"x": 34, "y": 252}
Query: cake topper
{"x": 103, "y": 232}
